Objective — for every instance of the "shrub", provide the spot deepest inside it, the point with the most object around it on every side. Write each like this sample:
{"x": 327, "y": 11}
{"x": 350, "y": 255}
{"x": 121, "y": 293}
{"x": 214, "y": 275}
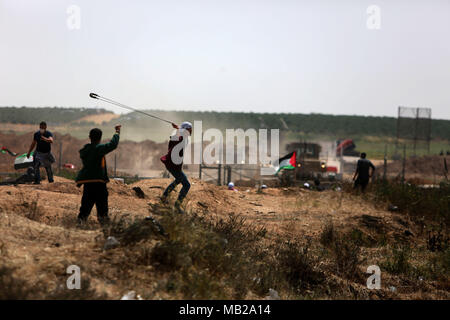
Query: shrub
{"x": 398, "y": 261}
{"x": 297, "y": 266}
{"x": 170, "y": 255}
{"x": 130, "y": 231}
{"x": 328, "y": 234}
{"x": 346, "y": 258}
{"x": 345, "y": 250}
{"x": 433, "y": 203}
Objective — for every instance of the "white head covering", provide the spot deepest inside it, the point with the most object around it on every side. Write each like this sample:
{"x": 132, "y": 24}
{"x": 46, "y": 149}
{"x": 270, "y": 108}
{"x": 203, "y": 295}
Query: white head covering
{"x": 183, "y": 127}
{"x": 186, "y": 125}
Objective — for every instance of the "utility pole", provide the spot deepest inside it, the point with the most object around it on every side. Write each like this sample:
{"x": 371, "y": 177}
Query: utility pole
{"x": 385, "y": 162}
{"x": 404, "y": 163}
{"x": 416, "y": 123}
{"x": 60, "y": 156}
{"x": 115, "y": 165}
{"x": 201, "y": 158}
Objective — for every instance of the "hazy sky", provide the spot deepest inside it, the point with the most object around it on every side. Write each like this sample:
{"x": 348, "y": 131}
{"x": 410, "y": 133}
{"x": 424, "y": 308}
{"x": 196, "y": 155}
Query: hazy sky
{"x": 227, "y": 55}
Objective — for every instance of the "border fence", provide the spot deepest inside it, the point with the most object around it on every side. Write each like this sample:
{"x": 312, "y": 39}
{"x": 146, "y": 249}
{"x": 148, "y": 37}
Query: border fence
{"x": 413, "y": 128}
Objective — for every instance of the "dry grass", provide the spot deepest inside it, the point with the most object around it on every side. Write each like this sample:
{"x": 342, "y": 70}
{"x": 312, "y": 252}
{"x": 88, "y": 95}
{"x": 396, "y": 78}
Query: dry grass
{"x": 304, "y": 244}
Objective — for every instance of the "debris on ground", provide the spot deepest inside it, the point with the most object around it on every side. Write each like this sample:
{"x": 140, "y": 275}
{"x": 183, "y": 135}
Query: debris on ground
{"x": 392, "y": 208}
{"x": 408, "y": 233}
{"x": 272, "y": 295}
{"x": 157, "y": 225}
{"x": 131, "y": 295}
{"x": 111, "y": 243}
{"x": 201, "y": 204}
{"x": 139, "y": 192}
{"x": 256, "y": 204}
{"x": 372, "y": 222}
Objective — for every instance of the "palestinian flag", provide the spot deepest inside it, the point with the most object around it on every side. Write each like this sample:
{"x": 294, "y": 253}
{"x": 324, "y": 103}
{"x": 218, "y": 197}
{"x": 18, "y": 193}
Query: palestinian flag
{"x": 288, "y": 162}
{"x": 6, "y": 150}
{"x": 22, "y": 162}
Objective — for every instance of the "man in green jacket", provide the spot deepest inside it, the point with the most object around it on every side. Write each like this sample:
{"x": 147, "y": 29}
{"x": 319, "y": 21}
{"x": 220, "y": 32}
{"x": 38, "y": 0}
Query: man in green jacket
{"x": 94, "y": 175}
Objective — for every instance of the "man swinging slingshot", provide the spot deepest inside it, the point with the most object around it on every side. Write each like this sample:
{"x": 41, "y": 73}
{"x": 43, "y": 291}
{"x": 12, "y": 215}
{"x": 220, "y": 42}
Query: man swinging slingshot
{"x": 173, "y": 160}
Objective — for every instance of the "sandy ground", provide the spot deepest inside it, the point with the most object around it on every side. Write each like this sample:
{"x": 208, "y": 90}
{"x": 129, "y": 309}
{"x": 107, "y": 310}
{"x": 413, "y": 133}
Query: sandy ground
{"x": 39, "y": 235}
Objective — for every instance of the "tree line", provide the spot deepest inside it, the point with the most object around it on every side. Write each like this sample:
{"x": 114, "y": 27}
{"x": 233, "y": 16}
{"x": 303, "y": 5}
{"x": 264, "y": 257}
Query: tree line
{"x": 316, "y": 124}
{"x": 52, "y": 115}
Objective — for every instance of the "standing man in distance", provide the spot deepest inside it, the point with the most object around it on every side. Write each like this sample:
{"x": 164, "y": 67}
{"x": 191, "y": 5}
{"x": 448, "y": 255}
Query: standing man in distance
{"x": 362, "y": 173}
{"x": 43, "y": 156}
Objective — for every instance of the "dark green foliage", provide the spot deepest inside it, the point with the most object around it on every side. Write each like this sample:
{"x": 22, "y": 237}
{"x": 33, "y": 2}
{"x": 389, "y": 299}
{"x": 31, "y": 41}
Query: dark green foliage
{"x": 131, "y": 231}
{"x": 347, "y": 258}
{"x": 207, "y": 258}
{"x": 52, "y": 116}
{"x": 344, "y": 249}
{"x": 296, "y": 265}
{"x": 431, "y": 203}
{"x": 398, "y": 261}
{"x": 438, "y": 241}
{"x": 170, "y": 255}
{"x": 328, "y": 234}
{"x": 321, "y": 124}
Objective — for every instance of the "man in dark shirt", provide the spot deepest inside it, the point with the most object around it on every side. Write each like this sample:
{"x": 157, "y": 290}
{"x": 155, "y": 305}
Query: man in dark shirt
{"x": 362, "y": 174}
{"x": 94, "y": 175}
{"x": 43, "y": 156}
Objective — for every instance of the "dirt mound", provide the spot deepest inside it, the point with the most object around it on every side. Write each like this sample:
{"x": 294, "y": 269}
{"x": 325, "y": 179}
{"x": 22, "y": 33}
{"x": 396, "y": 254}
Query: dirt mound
{"x": 39, "y": 233}
{"x": 61, "y": 185}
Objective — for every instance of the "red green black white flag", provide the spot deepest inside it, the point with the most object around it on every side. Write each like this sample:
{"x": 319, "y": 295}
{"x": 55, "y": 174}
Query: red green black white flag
{"x": 288, "y": 162}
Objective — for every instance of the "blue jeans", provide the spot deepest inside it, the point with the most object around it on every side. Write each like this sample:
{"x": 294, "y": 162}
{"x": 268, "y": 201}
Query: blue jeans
{"x": 180, "y": 177}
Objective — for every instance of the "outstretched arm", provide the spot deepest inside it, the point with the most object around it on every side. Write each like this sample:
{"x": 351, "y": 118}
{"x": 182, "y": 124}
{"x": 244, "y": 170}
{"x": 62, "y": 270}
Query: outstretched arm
{"x": 111, "y": 145}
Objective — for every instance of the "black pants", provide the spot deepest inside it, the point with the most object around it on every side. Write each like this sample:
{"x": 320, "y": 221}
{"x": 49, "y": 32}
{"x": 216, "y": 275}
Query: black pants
{"x": 94, "y": 193}
{"x": 180, "y": 177}
{"x": 37, "y": 172}
{"x": 363, "y": 182}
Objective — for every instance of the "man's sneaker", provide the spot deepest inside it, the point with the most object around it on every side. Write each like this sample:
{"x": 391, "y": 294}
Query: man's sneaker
{"x": 81, "y": 222}
{"x": 36, "y": 182}
{"x": 178, "y": 208}
{"x": 104, "y": 221}
{"x": 164, "y": 199}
